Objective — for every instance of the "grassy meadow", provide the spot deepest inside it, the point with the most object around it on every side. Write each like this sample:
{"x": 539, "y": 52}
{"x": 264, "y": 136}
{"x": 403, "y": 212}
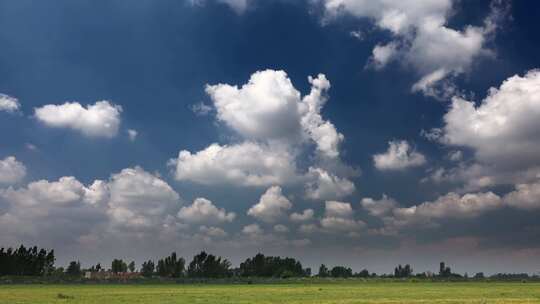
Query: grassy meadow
{"x": 322, "y": 293}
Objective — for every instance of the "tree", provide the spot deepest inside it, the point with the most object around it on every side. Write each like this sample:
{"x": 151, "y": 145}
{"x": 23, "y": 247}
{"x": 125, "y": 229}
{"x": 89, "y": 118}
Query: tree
{"x": 341, "y": 272}
{"x": 171, "y": 266}
{"x": 323, "y": 271}
{"x": 26, "y": 261}
{"x": 403, "y": 272}
{"x": 74, "y": 268}
{"x": 272, "y": 266}
{"x": 131, "y": 266}
{"x": 147, "y": 268}
{"x": 444, "y": 271}
{"x": 118, "y": 265}
{"x": 206, "y": 265}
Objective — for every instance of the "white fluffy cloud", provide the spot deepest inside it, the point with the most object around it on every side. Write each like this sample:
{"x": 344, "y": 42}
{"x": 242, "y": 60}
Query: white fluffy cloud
{"x": 62, "y": 210}
{"x": 422, "y": 38}
{"x": 451, "y": 205}
{"x": 269, "y": 107}
{"x": 139, "y": 199}
{"x": 264, "y": 108}
{"x": 271, "y": 206}
{"x": 204, "y": 211}
{"x": 11, "y": 171}
{"x": 245, "y": 164}
{"x": 380, "y": 207}
{"x": 252, "y": 230}
{"x": 9, "y": 104}
{"x": 306, "y": 215}
{"x": 325, "y": 186}
{"x": 504, "y": 127}
{"x": 132, "y": 201}
{"x": 101, "y": 119}
{"x": 399, "y": 156}
{"x": 526, "y": 196}
{"x": 339, "y": 217}
{"x": 132, "y": 134}
{"x": 276, "y": 125}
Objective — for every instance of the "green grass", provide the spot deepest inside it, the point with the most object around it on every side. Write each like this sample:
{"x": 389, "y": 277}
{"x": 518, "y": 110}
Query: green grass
{"x": 322, "y": 293}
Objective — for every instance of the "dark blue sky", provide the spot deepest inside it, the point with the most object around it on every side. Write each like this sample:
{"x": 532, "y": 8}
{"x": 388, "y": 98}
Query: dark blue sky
{"x": 154, "y": 59}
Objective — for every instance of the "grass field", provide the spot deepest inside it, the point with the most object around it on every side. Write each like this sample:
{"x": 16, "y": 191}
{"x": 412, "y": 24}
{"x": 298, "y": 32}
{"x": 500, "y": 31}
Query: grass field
{"x": 323, "y": 293}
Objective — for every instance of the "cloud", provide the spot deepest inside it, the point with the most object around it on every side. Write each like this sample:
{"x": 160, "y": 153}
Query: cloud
{"x": 276, "y": 125}
{"x": 50, "y": 212}
{"x": 399, "y": 156}
{"x": 526, "y": 196}
{"x": 132, "y": 134}
{"x": 203, "y": 211}
{"x": 271, "y": 206}
{"x": 306, "y": 215}
{"x": 281, "y": 228}
{"x": 383, "y": 54}
{"x": 503, "y": 128}
{"x": 451, "y": 205}
{"x": 338, "y": 217}
{"x": 101, "y": 119}
{"x": 9, "y": 104}
{"x": 245, "y": 164}
{"x": 380, "y": 207}
{"x": 270, "y": 108}
{"x": 11, "y": 171}
{"x": 238, "y": 6}
{"x": 201, "y": 109}
{"x": 140, "y": 200}
{"x": 325, "y": 186}
{"x": 252, "y": 230}
{"x": 422, "y": 38}
{"x": 213, "y": 232}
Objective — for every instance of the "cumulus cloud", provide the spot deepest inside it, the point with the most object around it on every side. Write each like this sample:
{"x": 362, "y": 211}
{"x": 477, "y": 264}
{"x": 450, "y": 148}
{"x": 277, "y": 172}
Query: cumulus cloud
{"x": 204, "y": 211}
{"x": 281, "y": 228}
{"x": 501, "y": 132}
{"x": 451, "y": 205}
{"x": 526, "y": 196}
{"x": 245, "y": 164}
{"x": 132, "y": 134}
{"x": 269, "y": 107}
{"x": 9, "y": 104}
{"x": 503, "y": 128}
{"x": 238, "y": 6}
{"x": 399, "y": 156}
{"x": 276, "y": 125}
{"x": 213, "y": 232}
{"x": 339, "y": 217}
{"x": 271, "y": 206}
{"x": 383, "y": 54}
{"x": 66, "y": 211}
{"x": 101, "y": 119}
{"x": 140, "y": 200}
{"x": 325, "y": 186}
{"x": 380, "y": 207}
{"x": 252, "y": 230}
{"x": 422, "y": 38}
{"x": 306, "y": 215}
{"x": 62, "y": 210}
{"x": 12, "y": 171}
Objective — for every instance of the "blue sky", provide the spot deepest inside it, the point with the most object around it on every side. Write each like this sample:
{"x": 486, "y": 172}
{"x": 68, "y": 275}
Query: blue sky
{"x": 398, "y": 146}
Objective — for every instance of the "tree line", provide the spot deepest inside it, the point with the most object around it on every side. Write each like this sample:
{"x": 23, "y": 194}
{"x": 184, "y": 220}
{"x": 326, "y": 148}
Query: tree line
{"x": 34, "y": 261}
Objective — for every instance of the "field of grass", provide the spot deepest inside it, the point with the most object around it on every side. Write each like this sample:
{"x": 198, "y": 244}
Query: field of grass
{"x": 322, "y": 293}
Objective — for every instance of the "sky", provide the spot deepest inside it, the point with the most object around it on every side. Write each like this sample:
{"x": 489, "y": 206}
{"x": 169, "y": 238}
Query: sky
{"x": 350, "y": 132}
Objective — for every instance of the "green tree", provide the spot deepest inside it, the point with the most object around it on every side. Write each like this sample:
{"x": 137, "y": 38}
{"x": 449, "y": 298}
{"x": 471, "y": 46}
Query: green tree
{"x": 131, "y": 266}
{"x": 74, "y": 268}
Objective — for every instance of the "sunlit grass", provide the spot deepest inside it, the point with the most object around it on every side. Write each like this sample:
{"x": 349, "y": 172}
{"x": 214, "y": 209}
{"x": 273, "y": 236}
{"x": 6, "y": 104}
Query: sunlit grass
{"x": 323, "y": 293}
